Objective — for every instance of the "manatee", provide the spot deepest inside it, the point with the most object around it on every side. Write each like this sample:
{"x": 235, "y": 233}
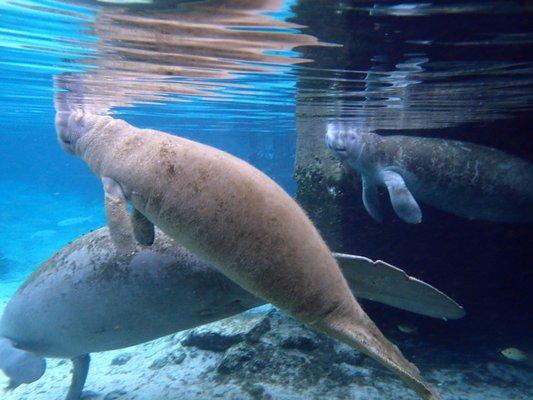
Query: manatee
{"x": 461, "y": 178}
{"x": 229, "y": 214}
{"x": 88, "y": 298}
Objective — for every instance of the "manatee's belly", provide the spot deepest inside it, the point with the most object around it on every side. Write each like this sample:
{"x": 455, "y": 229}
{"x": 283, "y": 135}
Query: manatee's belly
{"x": 227, "y": 212}
{"x": 237, "y": 218}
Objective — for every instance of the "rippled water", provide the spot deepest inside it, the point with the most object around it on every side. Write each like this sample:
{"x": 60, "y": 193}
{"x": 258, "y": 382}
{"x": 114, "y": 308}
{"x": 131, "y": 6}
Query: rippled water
{"x": 387, "y": 66}
{"x": 231, "y": 61}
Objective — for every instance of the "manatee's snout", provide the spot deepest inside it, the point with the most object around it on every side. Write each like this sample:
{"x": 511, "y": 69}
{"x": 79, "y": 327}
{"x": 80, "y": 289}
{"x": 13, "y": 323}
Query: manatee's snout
{"x": 336, "y": 139}
{"x": 69, "y": 128}
{"x": 61, "y": 122}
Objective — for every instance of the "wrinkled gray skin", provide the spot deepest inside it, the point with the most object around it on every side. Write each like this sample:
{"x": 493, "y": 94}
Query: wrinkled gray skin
{"x": 89, "y": 298}
{"x": 101, "y": 300}
{"x": 461, "y": 178}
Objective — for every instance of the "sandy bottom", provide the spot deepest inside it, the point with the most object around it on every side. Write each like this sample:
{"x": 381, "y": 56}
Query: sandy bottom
{"x": 266, "y": 355}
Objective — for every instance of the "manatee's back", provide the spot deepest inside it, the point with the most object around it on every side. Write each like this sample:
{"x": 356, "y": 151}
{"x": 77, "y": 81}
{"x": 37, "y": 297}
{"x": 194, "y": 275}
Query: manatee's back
{"x": 87, "y": 298}
{"x": 467, "y": 179}
{"x": 227, "y": 212}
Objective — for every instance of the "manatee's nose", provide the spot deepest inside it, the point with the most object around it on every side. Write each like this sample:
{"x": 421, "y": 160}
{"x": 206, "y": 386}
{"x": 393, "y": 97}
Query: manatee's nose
{"x": 69, "y": 127}
{"x": 62, "y": 129}
{"x": 331, "y": 134}
{"x": 335, "y": 139}
{"x": 61, "y": 122}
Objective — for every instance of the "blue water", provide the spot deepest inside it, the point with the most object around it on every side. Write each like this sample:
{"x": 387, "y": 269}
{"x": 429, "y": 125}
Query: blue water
{"x": 251, "y": 83}
{"x": 253, "y": 119}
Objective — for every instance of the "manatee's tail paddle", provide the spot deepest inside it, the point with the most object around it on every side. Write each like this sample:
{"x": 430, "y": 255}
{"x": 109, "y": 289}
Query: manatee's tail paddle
{"x": 382, "y": 282}
{"x": 358, "y": 331}
{"x": 19, "y": 365}
{"x": 80, "y": 368}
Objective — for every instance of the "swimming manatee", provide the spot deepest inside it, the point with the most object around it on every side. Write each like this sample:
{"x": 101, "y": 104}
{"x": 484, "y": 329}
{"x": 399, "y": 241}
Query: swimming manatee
{"x": 465, "y": 179}
{"x": 88, "y": 298}
{"x": 229, "y": 214}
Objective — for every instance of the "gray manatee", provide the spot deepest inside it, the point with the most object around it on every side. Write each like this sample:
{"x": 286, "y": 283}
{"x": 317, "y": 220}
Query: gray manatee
{"x": 89, "y": 298}
{"x": 229, "y": 214}
{"x": 465, "y": 179}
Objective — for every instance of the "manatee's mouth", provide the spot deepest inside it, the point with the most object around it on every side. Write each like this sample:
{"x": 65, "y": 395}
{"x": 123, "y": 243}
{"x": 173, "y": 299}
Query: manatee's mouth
{"x": 340, "y": 150}
{"x": 66, "y": 144}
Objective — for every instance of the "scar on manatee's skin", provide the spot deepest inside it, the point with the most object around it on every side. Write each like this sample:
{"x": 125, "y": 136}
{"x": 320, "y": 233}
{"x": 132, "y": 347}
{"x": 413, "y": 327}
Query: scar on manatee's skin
{"x": 171, "y": 171}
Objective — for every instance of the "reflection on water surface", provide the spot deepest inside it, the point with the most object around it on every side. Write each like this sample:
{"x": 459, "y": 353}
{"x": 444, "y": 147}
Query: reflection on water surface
{"x": 384, "y": 66}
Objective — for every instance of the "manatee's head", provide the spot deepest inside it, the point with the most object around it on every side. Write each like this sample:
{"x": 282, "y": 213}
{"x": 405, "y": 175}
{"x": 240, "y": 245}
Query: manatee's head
{"x": 70, "y": 110}
{"x": 70, "y": 127}
{"x": 19, "y": 365}
{"x": 344, "y": 140}
{"x": 69, "y": 106}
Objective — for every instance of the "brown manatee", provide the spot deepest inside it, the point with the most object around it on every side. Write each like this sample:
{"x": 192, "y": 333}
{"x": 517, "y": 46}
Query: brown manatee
{"x": 89, "y": 298}
{"x": 230, "y": 214}
{"x": 465, "y": 179}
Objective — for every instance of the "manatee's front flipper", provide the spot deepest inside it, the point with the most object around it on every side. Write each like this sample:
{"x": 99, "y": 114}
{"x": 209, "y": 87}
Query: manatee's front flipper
{"x": 143, "y": 229}
{"x": 384, "y": 283}
{"x": 118, "y": 220}
{"x": 19, "y": 365}
{"x": 80, "y": 368}
{"x": 402, "y": 200}
{"x": 371, "y": 199}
